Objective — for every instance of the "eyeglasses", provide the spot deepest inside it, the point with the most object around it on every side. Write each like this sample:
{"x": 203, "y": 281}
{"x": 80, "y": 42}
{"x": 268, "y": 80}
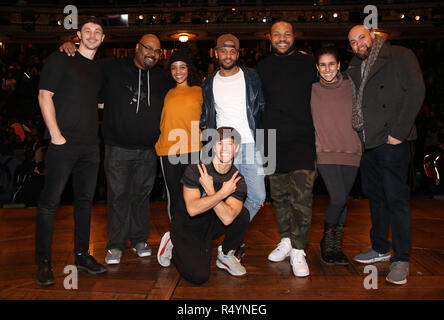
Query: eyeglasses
{"x": 156, "y": 51}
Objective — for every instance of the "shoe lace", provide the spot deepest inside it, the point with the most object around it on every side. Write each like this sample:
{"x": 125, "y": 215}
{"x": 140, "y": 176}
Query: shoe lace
{"x": 299, "y": 256}
{"x": 282, "y": 245}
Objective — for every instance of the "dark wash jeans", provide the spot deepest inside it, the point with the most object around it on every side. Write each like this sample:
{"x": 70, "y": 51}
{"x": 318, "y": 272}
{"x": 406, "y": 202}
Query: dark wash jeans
{"x": 130, "y": 175}
{"x": 384, "y": 172}
{"x": 82, "y": 161}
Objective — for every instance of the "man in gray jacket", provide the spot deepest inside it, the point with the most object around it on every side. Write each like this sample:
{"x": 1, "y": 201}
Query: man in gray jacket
{"x": 388, "y": 93}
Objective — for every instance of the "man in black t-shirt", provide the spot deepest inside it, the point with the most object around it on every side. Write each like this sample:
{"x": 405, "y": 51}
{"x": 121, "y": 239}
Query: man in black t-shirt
{"x": 68, "y": 97}
{"x": 211, "y": 205}
{"x": 287, "y": 76}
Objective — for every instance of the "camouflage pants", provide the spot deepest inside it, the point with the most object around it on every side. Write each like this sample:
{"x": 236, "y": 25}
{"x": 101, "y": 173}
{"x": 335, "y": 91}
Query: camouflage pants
{"x": 292, "y": 200}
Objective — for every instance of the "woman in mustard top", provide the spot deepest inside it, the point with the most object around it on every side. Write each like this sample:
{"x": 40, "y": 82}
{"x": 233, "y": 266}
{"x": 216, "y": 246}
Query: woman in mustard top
{"x": 179, "y": 142}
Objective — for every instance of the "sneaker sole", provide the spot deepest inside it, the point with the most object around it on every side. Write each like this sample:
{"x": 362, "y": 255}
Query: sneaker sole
{"x": 143, "y": 255}
{"x": 396, "y": 282}
{"x": 45, "y": 284}
{"x": 221, "y": 265}
{"x": 278, "y": 260}
{"x": 112, "y": 261}
{"x": 89, "y": 270}
{"x": 162, "y": 247}
{"x": 379, "y": 259}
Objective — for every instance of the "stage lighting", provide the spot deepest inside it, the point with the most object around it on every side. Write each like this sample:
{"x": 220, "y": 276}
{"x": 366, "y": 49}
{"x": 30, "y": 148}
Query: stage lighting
{"x": 417, "y": 17}
{"x": 264, "y": 19}
{"x": 183, "y": 38}
{"x": 402, "y": 16}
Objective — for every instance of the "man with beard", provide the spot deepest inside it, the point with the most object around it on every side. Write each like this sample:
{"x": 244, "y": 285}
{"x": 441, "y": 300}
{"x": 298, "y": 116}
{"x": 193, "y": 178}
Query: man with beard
{"x": 389, "y": 91}
{"x": 133, "y": 92}
{"x": 287, "y": 76}
{"x": 68, "y": 94}
{"x": 233, "y": 97}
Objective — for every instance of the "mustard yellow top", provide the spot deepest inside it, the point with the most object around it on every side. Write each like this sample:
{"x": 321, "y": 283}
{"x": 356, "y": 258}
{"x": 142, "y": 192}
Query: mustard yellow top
{"x": 181, "y": 111}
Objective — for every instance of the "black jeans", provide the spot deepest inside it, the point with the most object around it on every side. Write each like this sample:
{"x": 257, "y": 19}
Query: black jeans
{"x": 62, "y": 160}
{"x": 172, "y": 174}
{"x": 384, "y": 172}
{"x": 192, "y": 248}
{"x": 130, "y": 175}
{"x": 339, "y": 180}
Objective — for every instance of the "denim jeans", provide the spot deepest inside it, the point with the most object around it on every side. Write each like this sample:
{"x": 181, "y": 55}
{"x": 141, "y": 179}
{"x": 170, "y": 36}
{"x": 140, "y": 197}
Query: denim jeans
{"x": 62, "y": 160}
{"x": 130, "y": 175}
{"x": 384, "y": 171}
{"x": 249, "y": 163}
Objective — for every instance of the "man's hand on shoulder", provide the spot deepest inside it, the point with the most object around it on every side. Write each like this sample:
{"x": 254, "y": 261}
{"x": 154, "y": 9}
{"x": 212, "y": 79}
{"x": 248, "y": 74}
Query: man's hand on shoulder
{"x": 69, "y": 48}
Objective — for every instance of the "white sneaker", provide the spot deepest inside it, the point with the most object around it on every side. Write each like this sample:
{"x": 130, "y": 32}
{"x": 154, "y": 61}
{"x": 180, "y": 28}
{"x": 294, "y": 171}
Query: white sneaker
{"x": 229, "y": 262}
{"x": 164, "y": 254}
{"x": 297, "y": 261}
{"x": 282, "y": 251}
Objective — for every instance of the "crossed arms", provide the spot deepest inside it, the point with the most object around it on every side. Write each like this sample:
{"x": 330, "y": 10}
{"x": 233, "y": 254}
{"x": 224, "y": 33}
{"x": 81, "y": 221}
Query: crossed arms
{"x": 227, "y": 210}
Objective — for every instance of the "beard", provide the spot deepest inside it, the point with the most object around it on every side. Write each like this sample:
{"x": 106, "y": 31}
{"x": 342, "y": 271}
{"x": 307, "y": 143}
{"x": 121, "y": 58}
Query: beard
{"x": 152, "y": 63}
{"x": 364, "y": 56}
{"x": 279, "y": 53}
{"x": 228, "y": 67}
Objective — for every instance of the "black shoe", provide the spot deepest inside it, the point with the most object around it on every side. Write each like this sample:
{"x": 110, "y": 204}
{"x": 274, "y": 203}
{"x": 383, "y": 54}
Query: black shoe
{"x": 86, "y": 262}
{"x": 45, "y": 277}
{"x": 340, "y": 257}
{"x": 327, "y": 245}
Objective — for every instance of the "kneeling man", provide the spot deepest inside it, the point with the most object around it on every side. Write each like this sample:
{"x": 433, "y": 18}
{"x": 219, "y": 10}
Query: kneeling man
{"x": 211, "y": 205}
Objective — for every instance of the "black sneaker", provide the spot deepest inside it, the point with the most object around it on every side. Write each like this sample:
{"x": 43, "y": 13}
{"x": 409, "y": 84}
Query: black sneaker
{"x": 45, "y": 277}
{"x": 86, "y": 262}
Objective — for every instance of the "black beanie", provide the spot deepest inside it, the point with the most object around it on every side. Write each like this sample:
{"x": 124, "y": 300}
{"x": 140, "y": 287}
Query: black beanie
{"x": 180, "y": 55}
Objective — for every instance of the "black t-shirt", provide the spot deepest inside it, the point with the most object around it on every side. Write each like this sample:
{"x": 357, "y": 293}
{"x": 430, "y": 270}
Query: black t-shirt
{"x": 75, "y": 82}
{"x": 129, "y": 121}
{"x": 286, "y": 81}
{"x": 190, "y": 179}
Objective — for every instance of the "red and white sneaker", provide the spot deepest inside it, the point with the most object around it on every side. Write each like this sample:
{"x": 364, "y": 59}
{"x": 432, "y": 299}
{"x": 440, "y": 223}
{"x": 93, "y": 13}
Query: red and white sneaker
{"x": 230, "y": 263}
{"x": 164, "y": 254}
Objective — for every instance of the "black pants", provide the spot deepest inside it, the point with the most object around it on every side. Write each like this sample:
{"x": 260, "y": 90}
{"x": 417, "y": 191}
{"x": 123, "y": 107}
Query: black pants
{"x": 172, "y": 174}
{"x": 339, "y": 180}
{"x": 61, "y": 161}
{"x": 384, "y": 172}
{"x": 130, "y": 175}
{"x": 192, "y": 248}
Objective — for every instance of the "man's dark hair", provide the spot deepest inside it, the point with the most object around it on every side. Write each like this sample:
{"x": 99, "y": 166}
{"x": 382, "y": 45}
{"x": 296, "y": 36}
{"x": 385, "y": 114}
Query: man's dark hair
{"x": 229, "y": 132}
{"x": 282, "y": 20}
{"x": 327, "y": 50}
{"x": 92, "y": 19}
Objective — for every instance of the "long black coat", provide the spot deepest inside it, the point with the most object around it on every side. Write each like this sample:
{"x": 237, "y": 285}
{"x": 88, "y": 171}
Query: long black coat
{"x": 392, "y": 96}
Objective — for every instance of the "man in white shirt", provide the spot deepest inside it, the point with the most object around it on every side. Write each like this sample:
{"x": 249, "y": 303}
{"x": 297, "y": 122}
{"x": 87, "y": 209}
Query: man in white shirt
{"x": 233, "y": 97}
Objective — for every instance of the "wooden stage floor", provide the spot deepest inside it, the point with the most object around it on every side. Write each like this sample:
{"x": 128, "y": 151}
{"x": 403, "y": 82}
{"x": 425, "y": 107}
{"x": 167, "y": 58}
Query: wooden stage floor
{"x": 136, "y": 278}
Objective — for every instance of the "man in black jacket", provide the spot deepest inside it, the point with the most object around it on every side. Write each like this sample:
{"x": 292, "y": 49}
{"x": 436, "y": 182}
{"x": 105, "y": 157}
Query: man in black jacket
{"x": 389, "y": 91}
{"x": 133, "y": 92}
{"x": 233, "y": 97}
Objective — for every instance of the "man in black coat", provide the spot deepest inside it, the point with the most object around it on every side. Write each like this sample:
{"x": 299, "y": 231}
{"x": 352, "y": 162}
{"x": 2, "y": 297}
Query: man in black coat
{"x": 388, "y": 93}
